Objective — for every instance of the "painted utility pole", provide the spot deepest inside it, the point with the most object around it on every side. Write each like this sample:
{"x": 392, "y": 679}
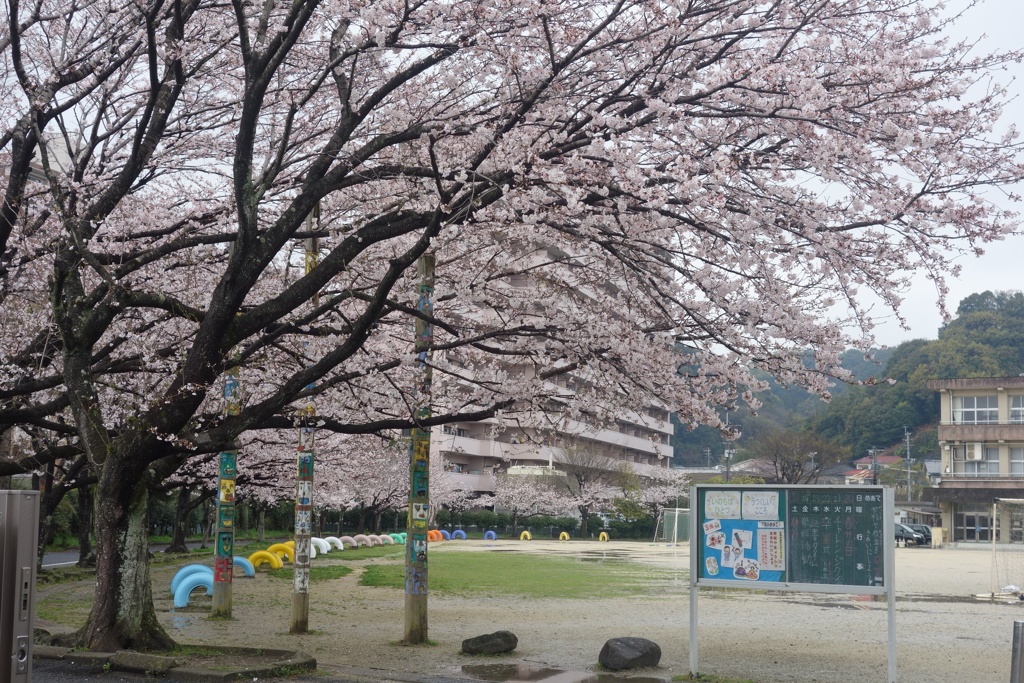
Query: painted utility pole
{"x": 419, "y": 467}
{"x": 304, "y": 478}
{"x": 303, "y": 522}
{"x": 228, "y": 469}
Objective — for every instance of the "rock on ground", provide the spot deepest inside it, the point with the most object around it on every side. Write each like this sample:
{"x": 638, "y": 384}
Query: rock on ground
{"x": 629, "y": 653}
{"x": 490, "y": 643}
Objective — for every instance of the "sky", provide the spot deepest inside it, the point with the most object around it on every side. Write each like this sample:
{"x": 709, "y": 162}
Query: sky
{"x": 998, "y": 25}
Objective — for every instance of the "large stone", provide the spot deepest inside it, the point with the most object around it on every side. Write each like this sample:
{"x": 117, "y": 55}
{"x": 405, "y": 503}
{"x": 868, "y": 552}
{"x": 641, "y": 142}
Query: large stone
{"x": 490, "y": 644}
{"x": 629, "y": 653}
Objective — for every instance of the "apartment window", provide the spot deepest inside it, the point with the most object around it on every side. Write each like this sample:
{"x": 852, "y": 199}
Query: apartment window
{"x": 1017, "y": 461}
{"x": 1017, "y": 409}
{"x": 975, "y": 410}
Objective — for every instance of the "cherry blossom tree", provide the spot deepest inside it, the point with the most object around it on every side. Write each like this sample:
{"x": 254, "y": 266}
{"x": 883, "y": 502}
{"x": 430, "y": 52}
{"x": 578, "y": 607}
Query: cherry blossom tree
{"x": 447, "y": 492}
{"x": 645, "y": 495}
{"x": 525, "y": 495}
{"x": 195, "y": 186}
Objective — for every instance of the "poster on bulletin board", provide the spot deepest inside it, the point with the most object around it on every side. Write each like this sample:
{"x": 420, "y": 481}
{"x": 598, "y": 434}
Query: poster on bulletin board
{"x": 743, "y": 535}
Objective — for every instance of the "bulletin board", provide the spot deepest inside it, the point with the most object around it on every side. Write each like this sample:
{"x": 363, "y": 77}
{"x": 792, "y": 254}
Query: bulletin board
{"x": 816, "y": 538}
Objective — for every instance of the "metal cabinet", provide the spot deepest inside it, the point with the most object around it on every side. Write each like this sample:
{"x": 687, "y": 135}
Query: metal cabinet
{"x": 19, "y": 531}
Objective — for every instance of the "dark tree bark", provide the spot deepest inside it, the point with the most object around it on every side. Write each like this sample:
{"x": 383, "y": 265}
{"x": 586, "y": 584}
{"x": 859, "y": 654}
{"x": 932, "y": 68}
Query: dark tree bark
{"x": 122, "y": 564}
{"x": 178, "y": 531}
{"x": 182, "y": 511}
{"x": 211, "y": 519}
{"x": 86, "y": 556}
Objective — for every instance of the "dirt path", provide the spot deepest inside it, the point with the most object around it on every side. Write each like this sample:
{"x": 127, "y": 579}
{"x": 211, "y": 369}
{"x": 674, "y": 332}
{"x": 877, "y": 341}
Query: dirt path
{"x": 943, "y": 633}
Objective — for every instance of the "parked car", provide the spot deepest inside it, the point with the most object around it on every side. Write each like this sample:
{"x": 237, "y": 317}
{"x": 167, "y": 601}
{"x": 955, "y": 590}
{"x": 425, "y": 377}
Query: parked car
{"x": 908, "y": 535}
{"x": 924, "y": 530}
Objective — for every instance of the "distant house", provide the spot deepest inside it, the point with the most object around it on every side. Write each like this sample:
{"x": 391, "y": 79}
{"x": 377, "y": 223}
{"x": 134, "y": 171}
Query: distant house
{"x": 857, "y": 477}
{"x": 882, "y": 461}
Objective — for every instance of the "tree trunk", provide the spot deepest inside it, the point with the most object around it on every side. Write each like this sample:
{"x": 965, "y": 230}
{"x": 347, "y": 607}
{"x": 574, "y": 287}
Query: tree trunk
{"x": 181, "y": 515}
{"x": 584, "y": 513}
{"x": 261, "y": 525}
{"x": 86, "y": 557}
{"x": 211, "y": 519}
{"x": 361, "y": 523}
{"x": 377, "y": 515}
{"x": 47, "y": 504}
{"x": 123, "y": 616}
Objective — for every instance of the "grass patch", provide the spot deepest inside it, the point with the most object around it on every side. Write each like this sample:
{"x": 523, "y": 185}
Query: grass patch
{"x": 56, "y": 575}
{"x": 319, "y": 573}
{"x": 390, "y": 552}
{"x": 536, "y": 576}
{"x": 67, "y": 606}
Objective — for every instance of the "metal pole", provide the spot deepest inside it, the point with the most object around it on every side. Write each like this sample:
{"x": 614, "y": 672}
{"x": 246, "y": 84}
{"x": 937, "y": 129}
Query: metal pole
{"x": 889, "y": 558}
{"x": 694, "y": 590}
{"x": 419, "y": 468}
{"x": 992, "y": 573}
{"x": 223, "y": 563}
{"x": 1017, "y": 663}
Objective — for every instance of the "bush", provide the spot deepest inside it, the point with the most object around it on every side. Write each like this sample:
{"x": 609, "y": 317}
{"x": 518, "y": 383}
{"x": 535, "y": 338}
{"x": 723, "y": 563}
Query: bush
{"x": 641, "y": 528}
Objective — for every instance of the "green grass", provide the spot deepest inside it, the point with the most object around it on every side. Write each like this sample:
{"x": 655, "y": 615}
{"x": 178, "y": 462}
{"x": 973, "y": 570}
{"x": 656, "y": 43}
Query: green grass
{"x": 391, "y": 552}
{"x": 535, "y": 576}
{"x": 316, "y": 573}
{"x": 65, "y": 606}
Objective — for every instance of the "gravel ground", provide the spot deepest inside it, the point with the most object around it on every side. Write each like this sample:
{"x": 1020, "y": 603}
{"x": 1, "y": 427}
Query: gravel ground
{"x": 943, "y": 633}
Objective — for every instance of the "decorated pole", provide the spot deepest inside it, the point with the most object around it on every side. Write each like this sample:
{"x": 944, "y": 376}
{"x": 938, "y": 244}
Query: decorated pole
{"x": 304, "y": 480}
{"x": 224, "y": 553}
{"x": 303, "y": 523}
{"x": 419, "y": 468}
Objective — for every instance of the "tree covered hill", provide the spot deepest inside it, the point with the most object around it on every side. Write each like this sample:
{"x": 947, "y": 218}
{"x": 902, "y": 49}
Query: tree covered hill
{"x": 985, "y": 339}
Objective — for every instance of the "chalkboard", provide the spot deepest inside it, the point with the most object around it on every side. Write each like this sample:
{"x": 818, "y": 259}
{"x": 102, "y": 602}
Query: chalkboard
{"x": 836, "y": 537}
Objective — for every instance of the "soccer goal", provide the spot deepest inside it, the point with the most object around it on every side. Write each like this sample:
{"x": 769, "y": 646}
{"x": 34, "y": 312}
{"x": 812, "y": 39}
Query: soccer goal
{"x": 1008, "y": 546}
{"x": 673, "y": 526}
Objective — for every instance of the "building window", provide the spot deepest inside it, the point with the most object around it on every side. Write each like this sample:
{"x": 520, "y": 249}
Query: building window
{"x": 975, "y": 410}
{"x": 1017, "y": 461}
{"x": 984, "y": 468}
{"x": 1017, "y": 409}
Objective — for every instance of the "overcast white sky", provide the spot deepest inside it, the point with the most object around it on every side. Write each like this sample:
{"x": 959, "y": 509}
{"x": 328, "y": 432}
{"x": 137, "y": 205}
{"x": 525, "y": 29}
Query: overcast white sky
{"x": 999, "y": 24}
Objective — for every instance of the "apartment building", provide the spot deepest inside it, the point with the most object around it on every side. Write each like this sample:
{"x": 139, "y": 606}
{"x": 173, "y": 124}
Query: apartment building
{"x": 472, "y": 452}
{"x": 981, "y": 438}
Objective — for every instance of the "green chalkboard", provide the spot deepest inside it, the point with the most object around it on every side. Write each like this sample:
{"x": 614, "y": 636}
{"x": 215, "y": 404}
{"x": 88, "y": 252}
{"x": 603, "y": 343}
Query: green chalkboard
{"x": 836, "y": 536}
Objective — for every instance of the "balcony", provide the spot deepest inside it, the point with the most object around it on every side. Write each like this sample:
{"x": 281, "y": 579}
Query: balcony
{"x": 992, "y": 431}
{"x": 473, "y": 482}
{"x": 1016, "y": 479}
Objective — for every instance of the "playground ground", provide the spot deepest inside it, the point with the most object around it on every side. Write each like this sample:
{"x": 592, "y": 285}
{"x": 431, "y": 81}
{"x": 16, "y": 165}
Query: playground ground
{"x": 944, "y": 634}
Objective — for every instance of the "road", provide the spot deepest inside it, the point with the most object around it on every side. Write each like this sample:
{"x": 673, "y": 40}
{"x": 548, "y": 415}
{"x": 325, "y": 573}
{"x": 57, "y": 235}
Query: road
{"x": 68, "y": 558}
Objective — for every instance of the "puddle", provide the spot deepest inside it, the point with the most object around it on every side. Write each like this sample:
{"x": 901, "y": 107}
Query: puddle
{"x": 908, "y": 597}
{"x": 499, "y": 673}
{"x": 180, "y": 623}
